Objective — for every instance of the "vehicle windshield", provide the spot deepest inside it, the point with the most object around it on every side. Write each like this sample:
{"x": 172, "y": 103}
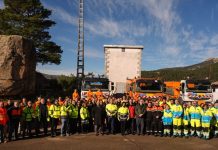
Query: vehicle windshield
{"x": 145, "y": 85}
{"x": 202, "y": 86}
{"x": 95, "y": 85}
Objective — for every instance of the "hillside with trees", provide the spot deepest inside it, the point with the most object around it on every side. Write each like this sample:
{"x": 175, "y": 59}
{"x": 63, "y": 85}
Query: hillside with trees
{"x": 206, "y": 69}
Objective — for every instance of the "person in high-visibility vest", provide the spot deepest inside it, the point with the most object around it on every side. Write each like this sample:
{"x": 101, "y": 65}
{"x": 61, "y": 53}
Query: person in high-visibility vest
{"x": 84, "y": 115}
{"x": 73, "y": 117}
{"x": 186, "y": 119}
{"x": 36, "y": 122}
{"x": 167, "y": 120}
{"x": 99, "y": 94}
{"x": 75, "y": 95}
{"x": 195, "y": 112}
{"x": 111, "y": 110}
{"x": 123, "y": 117}
{"x": 206, "y": 121}
{"x": 64, "y": 118}
{"x": 177, "y": 118}
{"x": 54, "y": 113}
{"x": 215, "y": 113}
{"x": 89, "y": 95}
{"x": 130, "y": 94}
{"x": 27, "y": 116}
{"x": 212, "y": 108}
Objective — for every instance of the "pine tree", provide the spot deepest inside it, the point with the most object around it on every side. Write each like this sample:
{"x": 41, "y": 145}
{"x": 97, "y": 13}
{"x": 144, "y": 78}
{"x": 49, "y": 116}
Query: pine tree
{"x": 30, "y": 19}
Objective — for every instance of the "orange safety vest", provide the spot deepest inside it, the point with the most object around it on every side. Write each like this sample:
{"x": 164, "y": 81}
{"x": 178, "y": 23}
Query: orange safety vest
{"x": 89, "y": 95}
{"x": 75, "y": 95}
{"x": 131, "y": 94}
{"x": 99, "y": 94}
{"x": 136, "y": 95}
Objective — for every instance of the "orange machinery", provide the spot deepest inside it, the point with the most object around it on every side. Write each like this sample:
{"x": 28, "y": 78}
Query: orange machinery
{"x": 148, "y": 88}
{"x": 172, "y": 89}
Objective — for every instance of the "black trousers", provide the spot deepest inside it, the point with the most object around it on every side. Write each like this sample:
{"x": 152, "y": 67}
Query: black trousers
{"x": 36, "y": 125}
{"x": 14, "y": 124}
{"x": 157, "y": 126}
{"x": 54, "y": 124}
{"x": 148, "y": 123}
{"x": 84, "y": 126}
{"x": 27, "y": 126}
{"x": 44, "y": 125}
{"x": 123, "y": 126}
{"x": 1, "y": 133}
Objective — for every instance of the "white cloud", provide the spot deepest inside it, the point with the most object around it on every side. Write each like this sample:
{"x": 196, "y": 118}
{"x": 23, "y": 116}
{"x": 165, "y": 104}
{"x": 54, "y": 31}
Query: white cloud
{"x": 62, "y": 14}
{"x": 110, "y": 28}
{"x": 214, "y": 40}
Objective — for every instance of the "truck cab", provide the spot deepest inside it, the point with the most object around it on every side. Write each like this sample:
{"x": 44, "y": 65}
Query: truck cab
{"x": 148, "y": 88}
{"x": 192, "y": 90}
{"x": 94, "y": 84}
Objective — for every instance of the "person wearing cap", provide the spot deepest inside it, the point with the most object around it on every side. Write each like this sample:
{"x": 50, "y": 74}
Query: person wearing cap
{"x": 111, "y": 110}
{"x": 157, "y": 124}
{"x": 54, "y": 113}
{"x": 167, "y": 120}
{"x": 177, "y": 111}
{"x": 186, "y": 119}
{"x": 84, "y": 114}
{"x": 140, "y": 112}
{"x": 123, "y": 117}
{"x": 195, "y": 112}
{"x": 206, "y": 121}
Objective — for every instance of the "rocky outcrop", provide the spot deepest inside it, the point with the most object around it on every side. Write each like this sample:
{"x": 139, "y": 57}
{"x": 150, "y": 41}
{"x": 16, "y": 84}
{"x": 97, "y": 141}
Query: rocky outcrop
{"x": 17, "y": 66}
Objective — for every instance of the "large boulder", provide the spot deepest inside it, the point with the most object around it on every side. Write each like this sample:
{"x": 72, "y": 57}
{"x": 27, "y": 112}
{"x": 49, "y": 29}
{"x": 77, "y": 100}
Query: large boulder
{"x": 17, "y": 66}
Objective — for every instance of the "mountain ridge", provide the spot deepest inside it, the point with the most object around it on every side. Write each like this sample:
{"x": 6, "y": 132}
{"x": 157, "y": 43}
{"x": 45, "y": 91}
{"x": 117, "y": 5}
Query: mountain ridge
{"x": 205, "y": 69}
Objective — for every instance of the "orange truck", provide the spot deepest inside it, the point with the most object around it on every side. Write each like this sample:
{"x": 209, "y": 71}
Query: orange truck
{"x": 148, "y": 88}
{"x": 172, "y": 89}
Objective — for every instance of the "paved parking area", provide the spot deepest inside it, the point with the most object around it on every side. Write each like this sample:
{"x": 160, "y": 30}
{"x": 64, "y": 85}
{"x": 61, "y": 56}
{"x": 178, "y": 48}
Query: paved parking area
{"x": 113, "y": 142}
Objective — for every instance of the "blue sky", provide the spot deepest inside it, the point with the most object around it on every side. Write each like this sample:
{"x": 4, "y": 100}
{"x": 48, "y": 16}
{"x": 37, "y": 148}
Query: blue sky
{"x": 173, "y": 32}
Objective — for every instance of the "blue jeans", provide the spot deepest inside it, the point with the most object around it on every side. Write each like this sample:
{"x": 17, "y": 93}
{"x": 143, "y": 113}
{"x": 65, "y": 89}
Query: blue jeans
{"x": 63, "y": 126}
{"x": 111, "y": 124}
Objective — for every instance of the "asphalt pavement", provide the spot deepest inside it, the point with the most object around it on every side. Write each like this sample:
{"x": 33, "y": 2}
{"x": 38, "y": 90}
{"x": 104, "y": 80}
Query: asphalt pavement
{"x": 111, "y": 142}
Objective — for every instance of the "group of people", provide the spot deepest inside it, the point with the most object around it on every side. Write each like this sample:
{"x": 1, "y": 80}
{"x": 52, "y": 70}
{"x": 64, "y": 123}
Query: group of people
{"x": 161, "y": 117}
